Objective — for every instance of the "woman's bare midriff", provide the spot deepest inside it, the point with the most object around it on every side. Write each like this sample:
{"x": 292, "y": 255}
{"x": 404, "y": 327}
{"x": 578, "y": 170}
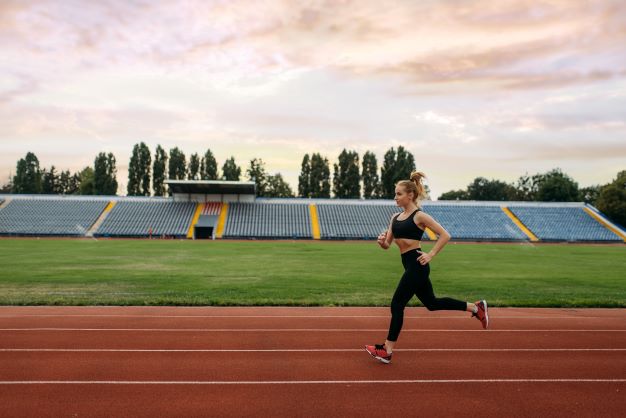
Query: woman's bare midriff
{"x": 407, "y": 244}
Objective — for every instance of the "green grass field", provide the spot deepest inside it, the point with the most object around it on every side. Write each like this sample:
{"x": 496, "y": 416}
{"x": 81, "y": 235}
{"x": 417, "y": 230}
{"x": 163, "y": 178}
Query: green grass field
{"x": 143, "y": 272}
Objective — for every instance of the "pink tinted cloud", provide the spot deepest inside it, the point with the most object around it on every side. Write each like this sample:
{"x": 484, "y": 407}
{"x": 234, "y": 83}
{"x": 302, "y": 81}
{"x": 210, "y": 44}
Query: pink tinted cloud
{"x": 240, "y": 50}
{"x": 447, "y": 41}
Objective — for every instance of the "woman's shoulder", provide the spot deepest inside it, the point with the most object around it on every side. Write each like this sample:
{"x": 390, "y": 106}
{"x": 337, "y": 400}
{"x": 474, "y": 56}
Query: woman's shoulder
{"x": 419, "y": 212}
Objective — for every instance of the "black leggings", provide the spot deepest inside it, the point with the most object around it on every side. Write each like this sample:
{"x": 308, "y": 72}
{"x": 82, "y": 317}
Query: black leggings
{"x": 415, "y": 281}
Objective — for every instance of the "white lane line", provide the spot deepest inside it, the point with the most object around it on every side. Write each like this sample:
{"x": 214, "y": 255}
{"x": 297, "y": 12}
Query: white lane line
{"x": 301, "y": 330}
{"x": 298, "y": 382}
{"x": 294, "y": 316}
{"x": 299, "y": 350}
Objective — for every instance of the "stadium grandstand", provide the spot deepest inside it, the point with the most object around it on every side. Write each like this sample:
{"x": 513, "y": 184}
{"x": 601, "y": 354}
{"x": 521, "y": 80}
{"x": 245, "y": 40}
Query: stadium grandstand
{"x": 52, "y": 216}
{"x": 230, "y": 210}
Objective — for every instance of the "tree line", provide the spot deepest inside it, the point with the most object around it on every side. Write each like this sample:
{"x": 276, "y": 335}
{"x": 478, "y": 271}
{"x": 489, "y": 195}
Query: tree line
{"x": 147, "y": 174}
{"x": 552, "y": 186}
{"x": 353, "y": 178}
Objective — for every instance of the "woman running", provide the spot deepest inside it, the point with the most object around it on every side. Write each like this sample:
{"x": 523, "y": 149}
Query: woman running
{"x": 407, "y": 229}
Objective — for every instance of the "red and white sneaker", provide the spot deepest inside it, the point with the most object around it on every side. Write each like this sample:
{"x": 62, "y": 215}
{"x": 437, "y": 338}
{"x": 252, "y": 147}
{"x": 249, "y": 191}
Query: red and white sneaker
{"x": 379, "y": 352}
{"x": 482, "y": 315}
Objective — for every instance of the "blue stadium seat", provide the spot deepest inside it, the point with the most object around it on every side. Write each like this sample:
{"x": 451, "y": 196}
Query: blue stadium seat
{"x": 463, "y": 222}
{"x": 354, "y": 221}
{"x": 145, "y": 218}
{"x": 554, "y": 223}
{"x": 475, "y": 222}
{"x": 66, "y": 217}
{"x": 290, "y": 219}
{"x": 268, "y": 220}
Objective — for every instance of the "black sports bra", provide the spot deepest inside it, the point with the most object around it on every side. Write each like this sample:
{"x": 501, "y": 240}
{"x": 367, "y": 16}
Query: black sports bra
{"x": 406, "y": 228}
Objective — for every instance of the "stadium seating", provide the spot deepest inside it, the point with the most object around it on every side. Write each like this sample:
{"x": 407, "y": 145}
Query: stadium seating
{"x": 354, "y": 221}
{"x": 65, "y": 217}
{"x": 268, "y": 220}
{"x": 212, "y": 208}
{"x": 291, "y": 219}
{"x": 559, "y": 223}
{"x": 463, "y": 222}
{"x": 143, "y": 218}
{"x": 475, "y": 222}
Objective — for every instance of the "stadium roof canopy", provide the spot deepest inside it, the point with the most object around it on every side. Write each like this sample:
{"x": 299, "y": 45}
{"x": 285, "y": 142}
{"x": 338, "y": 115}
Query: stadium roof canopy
{"x": 220, "y": 187}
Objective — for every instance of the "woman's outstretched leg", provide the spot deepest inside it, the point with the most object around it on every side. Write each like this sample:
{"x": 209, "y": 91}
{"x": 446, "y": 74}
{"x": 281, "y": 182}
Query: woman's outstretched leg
{"x": 403, "y": 294}
{"x": 427, "y": 296}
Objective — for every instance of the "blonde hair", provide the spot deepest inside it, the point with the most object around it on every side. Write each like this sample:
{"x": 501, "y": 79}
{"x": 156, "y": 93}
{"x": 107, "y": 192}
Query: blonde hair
{"x": 414, "y": 185}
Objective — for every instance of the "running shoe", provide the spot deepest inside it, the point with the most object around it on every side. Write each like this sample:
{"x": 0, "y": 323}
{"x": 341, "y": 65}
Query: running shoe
{"x": 379, "y": 352}
{"x": 482, "y": 315}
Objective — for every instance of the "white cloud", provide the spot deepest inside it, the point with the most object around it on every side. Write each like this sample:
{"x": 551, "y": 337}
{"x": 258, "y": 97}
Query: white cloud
{"x": 490, "y": 87}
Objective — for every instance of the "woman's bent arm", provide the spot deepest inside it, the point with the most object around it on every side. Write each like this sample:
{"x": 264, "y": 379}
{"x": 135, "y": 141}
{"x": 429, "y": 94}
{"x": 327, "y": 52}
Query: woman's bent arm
{"x": 386, "y": 238}
{"x": 434, "y": 226}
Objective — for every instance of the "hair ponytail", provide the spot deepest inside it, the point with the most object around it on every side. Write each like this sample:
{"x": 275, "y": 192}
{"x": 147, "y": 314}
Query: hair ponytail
{"x": 415, "y": 185}
{"x": 416, "y": 177}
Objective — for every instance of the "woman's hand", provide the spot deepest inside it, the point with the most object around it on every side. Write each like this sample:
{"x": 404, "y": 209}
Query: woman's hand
{"x": 382, "y": 240}
{"x": 424, "y": 258}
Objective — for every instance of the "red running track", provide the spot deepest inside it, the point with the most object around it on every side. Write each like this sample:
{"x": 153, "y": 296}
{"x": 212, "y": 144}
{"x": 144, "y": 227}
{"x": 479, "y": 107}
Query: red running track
{"x": 148, "y": 361}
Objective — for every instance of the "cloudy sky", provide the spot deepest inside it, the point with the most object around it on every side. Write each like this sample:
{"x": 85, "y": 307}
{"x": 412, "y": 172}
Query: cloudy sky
{"x": 492, "y": 88}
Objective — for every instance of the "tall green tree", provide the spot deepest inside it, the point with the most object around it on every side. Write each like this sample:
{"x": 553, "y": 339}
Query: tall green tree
{"x": 256, "y": 172}
{"x": 208, "y": 166}
{"x": 320, "y": 177}
{"x": 50, "y": 183}
{"x": 369, "y": 174}
{"x": 194, "y": 167}
{"x": 105, "y": 182}
{"x": 132, "y": 188}
{"x": 346, "y": 179}
{"x": 177, "y": 167}
{"x": 589, "y": 194}
{"x": 612, "y": 199}
{"x": 483, "y": 189}
{"x": 396, "y": 166}
{"x": 387, "y": 174}
{"x": 405, "y": 164}
{"x": 557, "y": 186}
{"x": 86, "y": 185}
{"x": 8, "y": 187}
{"x": 139, "y": 171}
{"x": 323, "y": 168}
{"x": 159, "y": 170}
{"x": 69, "y": 183}
{"x": 277, "y": 187}
{"x": 230, "y": 170}
{"x": 145, "y": 163}
{"x": 27, "y": 178}
{"x": 304, "y": 179}
{"x": 455, "y": 195}
{"x": 527, "y": 187}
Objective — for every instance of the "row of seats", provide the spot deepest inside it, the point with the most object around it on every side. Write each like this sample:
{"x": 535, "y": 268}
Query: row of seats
{"x": 211, "y": 208}
{"x": 476, "y": 222}
{"x": 462, "y": 222}
{"x": 148, "y": 218}
{"x": 354, "y": 221}
{"x": 292, "y": 220}
{"x": 49, "y": 217}
{"x": 562, "y": 224}
{"x": 268, "y": 220}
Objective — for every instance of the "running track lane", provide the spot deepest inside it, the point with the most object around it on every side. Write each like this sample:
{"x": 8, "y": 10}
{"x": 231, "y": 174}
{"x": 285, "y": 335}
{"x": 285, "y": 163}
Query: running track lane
{"x": 309, "y": 383}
